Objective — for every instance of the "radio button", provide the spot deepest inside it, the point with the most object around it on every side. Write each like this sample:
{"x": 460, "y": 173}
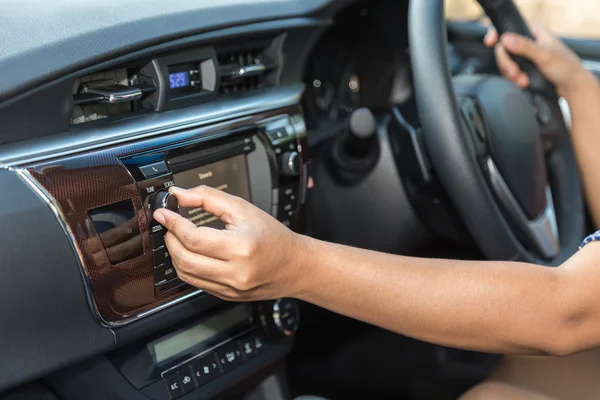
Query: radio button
{"x": 160, "y": 256}
{"x": 154, "y": 169}
{"x": 277, "y": 134}
{"x": 290, "y": 163}
{"x": 187, "y": 380}
{"x": 164, "y": 273}
{"x": 289, "y": 194}
{"x": 163, "y": 287}
{"x": 174, "y": 386}
{"x": 230, "y": 356}
{"x": 158, "y": 239}
{"x": 205, "y": 369}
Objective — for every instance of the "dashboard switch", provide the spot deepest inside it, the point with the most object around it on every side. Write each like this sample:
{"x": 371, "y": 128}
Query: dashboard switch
{"x": 290, "y": 163}
{"x": 174, "y": 386}
{"x": 154, "y": 169}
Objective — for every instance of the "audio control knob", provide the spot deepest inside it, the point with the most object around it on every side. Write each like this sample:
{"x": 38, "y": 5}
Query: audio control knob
{"x": 164, "y": 199}
{"x": 279, "y": 318}
{"x": 290, "y": 163}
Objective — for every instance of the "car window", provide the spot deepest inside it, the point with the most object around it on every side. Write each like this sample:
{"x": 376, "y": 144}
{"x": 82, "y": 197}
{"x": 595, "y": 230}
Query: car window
{"x": 573, "y": 18}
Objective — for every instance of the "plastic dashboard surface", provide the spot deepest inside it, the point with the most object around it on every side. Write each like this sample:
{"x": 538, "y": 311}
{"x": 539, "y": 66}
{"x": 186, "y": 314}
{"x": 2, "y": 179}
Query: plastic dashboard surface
{"x": 42, "y": 40}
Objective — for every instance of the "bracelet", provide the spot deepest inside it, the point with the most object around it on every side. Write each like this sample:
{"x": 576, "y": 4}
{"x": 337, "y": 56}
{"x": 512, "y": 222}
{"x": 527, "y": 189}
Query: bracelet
{"x": 591, "y": 238}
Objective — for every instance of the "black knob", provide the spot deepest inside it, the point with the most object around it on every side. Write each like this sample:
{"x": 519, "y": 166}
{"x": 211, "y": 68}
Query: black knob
{"x": 164, "y": 199}
{"x": 279, "y": 318}
{"x": 361, "y": 136}
{"x": 290, "y": 163}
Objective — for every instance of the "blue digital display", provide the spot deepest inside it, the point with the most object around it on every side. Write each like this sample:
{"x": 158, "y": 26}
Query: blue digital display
{"x": 179, "y": 80}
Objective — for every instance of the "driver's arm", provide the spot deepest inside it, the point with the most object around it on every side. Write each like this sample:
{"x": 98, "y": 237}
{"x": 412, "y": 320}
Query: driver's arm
{"x": 573, "y": 82}
{"x": 503, "y": 307}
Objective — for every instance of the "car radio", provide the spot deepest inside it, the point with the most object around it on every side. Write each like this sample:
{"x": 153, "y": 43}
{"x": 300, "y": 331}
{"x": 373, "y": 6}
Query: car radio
{"x": 104, "y": 198}
{"x": 196, "y": 356}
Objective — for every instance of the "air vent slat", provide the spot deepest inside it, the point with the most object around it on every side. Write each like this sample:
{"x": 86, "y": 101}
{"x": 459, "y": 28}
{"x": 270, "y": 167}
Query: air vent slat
{"x": 246, "y": 70}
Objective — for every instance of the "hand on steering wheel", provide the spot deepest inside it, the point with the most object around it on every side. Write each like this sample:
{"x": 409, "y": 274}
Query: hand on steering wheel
{"x": 553, "y": 59}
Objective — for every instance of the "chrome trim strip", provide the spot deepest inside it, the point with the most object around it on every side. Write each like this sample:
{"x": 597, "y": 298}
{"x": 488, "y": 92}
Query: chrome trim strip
{"x": 565, "y": 110}
{"x": 86, "y": 137}
{"x": 26, "y": 177}
{"x": 543, "y": 230}
{"x": 169, "y": 304}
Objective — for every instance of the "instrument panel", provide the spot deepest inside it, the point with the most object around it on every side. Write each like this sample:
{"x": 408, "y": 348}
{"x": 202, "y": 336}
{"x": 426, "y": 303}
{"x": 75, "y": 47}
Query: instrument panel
{"x": 103, "y": 199}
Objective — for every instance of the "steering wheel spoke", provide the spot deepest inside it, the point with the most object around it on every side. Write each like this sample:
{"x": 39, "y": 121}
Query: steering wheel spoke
{"x": 542, "y": 231}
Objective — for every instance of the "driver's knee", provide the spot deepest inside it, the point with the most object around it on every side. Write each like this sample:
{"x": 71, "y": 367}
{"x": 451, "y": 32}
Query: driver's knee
{"x": 491, "y": 390}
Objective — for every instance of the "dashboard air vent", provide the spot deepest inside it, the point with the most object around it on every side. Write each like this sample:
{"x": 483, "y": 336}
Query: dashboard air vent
{"x": 107, "y": 94}
{"x": 248, "y": 69}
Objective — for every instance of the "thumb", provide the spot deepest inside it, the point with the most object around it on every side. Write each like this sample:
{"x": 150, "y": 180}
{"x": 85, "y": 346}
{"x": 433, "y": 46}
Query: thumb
{"x": 524, "y": 47}
{"x": 214, "y": 201}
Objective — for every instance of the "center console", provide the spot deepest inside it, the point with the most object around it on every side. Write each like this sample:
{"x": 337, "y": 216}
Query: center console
{"x": 104, "y": 199}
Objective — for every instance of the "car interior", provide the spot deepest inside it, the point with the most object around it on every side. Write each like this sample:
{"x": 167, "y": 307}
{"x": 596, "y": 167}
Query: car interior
{"x": 370, "y": 123}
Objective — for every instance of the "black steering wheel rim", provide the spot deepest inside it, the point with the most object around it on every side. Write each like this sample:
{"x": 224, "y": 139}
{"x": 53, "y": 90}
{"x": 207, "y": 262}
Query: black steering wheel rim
{"x": 453, "y": 155}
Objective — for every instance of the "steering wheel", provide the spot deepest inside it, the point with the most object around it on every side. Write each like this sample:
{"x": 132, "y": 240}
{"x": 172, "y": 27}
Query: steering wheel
{"x": 504, "y": 155}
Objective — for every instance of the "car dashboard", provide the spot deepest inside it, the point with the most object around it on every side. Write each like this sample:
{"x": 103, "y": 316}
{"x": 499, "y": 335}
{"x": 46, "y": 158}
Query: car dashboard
{"x": 102, "y": 109}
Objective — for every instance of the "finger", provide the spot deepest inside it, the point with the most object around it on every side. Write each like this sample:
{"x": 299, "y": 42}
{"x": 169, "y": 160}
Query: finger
{"x": 522, "y": 80}
{"x": 491, "y": 37}
{"x": 524, "y": 47}
{"x": 506, "y": 64}
{"x": 203, "y": 240}
{"x": 214, "y": 288}
{"x": 210, "y": 242}
{"x": 196, "y": 264}
{"x": 214, "y": 201}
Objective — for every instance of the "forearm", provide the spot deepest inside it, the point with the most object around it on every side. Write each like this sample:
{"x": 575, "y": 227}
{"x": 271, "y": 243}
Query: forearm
{"x": 584, "y": 102}
{"x": 502, "y": 307}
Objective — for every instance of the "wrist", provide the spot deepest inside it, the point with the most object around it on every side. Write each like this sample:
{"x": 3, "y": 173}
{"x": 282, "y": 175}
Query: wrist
{"x": 581, "y": 81}
{"x": 304, "y": 264}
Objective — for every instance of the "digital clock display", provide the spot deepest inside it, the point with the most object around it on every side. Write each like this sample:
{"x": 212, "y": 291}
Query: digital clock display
{"x": 179, "y": 80}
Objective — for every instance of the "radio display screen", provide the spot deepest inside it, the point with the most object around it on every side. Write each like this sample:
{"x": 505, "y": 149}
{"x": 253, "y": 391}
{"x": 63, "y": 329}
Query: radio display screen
{"x": 179, "y": 80}
{"x": 229, "y": 175}
{"x": 194, "y": 338}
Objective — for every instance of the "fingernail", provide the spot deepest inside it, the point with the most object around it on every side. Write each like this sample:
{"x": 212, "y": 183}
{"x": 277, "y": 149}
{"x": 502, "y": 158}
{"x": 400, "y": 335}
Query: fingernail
{"x": 159, "y": 217}
{"x": 175, "y": 189}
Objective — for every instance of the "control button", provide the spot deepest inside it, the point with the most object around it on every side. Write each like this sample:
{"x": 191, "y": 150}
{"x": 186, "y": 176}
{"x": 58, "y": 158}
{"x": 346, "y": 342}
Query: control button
{"x": 277, "y": 134}
{"x": 290, "y": 163}
{"x": 187, "y": 382}
{"x": 156, "y": 227}
{"x": 164, "y": 199}
{"x": 230, "y": 356}
{"x": 154, "y": 169}
{"x": 158, "y": 239}
{"x": 164, "y": 273}
{"x": 258, "y": 344}
{"x": 287, "y": 216}
{"x": 163, "y": 287}
{"x": 289, "y": 194}
{"x": 285, "y": 315}
{"x": 160, "y": 256}
{"x": 174, "y": 386}
{"x": 205, "y": 369}
{"x": 251, "y": 346}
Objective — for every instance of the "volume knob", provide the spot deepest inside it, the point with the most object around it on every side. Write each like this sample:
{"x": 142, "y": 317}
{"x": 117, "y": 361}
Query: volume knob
{"x": 279, "y": 318}
{"x": 164, "y": 199}
{"x": 290, "y": 163}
